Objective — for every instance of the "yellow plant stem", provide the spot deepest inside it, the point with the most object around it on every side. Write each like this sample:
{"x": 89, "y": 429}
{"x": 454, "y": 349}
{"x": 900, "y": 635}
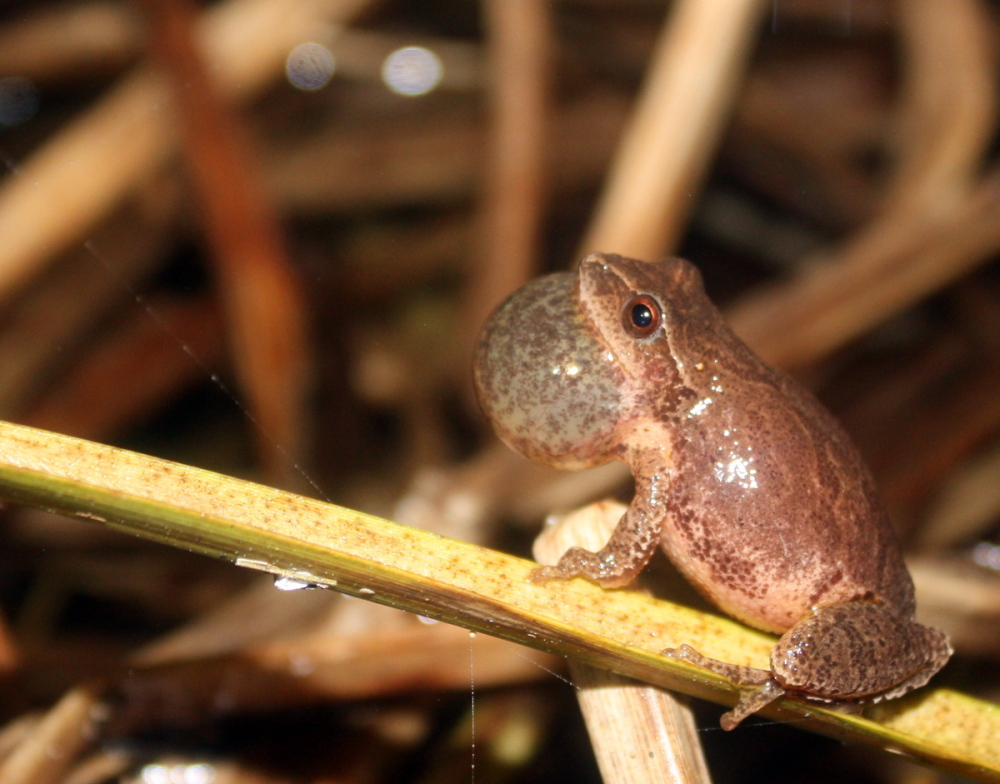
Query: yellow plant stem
{"x": 480, "y": 589}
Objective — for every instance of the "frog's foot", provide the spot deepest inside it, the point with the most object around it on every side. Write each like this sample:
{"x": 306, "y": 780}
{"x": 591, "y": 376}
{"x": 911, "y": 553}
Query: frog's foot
{"x": 603, "y": 568}
{"x": 575, "y": 562}
{"x": 762, "y": 689}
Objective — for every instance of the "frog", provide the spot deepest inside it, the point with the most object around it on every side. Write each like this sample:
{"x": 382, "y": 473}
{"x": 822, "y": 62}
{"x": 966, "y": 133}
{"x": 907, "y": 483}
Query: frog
{"x": 745, "y": 480}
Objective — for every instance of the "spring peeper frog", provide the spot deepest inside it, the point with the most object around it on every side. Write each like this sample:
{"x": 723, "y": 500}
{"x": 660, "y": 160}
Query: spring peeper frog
{"x": 741, "y": 476}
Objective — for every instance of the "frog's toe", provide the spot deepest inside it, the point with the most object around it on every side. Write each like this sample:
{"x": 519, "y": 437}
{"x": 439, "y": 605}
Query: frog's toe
{"x": 738, "y": 674}
{"x": 685, "y": 653}
{"x": 543, "y": 574}
{"x": 750, "y": 702}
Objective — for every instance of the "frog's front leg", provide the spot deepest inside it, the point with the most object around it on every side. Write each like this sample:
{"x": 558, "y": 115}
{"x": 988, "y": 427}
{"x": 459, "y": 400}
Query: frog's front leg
{"x": 844, "y": 653}
{"x": 627, "y": 552}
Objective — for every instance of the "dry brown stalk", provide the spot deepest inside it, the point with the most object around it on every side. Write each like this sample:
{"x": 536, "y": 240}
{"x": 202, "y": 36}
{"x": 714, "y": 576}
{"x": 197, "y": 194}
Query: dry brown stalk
{"x": 936, "y": 224}
{"x": 639, "y": 733}
{"x": 676, "y": 124}
{"x": 516, "y": 176}
{"x": 260, "y": 292}
{"x": 91, "y": 165}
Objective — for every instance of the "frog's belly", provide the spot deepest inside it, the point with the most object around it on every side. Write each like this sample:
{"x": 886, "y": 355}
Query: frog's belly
{"x": 763, "y": 589}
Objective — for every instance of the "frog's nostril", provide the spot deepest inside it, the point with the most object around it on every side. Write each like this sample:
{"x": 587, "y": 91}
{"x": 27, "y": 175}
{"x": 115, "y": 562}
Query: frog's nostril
{"x": 598, "y": 260}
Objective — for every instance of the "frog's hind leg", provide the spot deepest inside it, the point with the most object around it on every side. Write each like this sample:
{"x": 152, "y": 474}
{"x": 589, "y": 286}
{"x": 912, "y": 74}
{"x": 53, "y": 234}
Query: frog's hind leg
{"x": 762, "y": 689}
{"x": 841, "y": 654}
{"x": 857, "y": 651}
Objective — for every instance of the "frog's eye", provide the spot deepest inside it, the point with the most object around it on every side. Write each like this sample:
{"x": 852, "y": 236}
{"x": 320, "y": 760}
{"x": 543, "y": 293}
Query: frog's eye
{"x": 642, "y": 316}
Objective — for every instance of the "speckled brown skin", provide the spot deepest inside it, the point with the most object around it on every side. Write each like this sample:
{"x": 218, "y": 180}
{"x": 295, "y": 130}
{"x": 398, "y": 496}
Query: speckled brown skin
{"x": 745, "y": 480}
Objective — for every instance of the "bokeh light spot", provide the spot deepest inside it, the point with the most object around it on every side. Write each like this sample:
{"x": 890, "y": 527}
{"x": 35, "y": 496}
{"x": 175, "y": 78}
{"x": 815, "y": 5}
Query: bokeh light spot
{"x": 412, "y": 70}
{"x": 309, "y": 66}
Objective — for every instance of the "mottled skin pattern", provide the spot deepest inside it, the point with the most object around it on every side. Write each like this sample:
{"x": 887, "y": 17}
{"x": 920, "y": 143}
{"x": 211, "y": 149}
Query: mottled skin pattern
{"x": 746, "y": 481}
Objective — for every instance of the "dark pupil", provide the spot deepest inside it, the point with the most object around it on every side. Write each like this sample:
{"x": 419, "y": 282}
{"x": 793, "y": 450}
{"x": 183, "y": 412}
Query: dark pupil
{"x": 642, "y": 316}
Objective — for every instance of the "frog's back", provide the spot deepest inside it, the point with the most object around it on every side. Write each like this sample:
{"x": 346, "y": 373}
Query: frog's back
{"x": 775, "y": 512}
